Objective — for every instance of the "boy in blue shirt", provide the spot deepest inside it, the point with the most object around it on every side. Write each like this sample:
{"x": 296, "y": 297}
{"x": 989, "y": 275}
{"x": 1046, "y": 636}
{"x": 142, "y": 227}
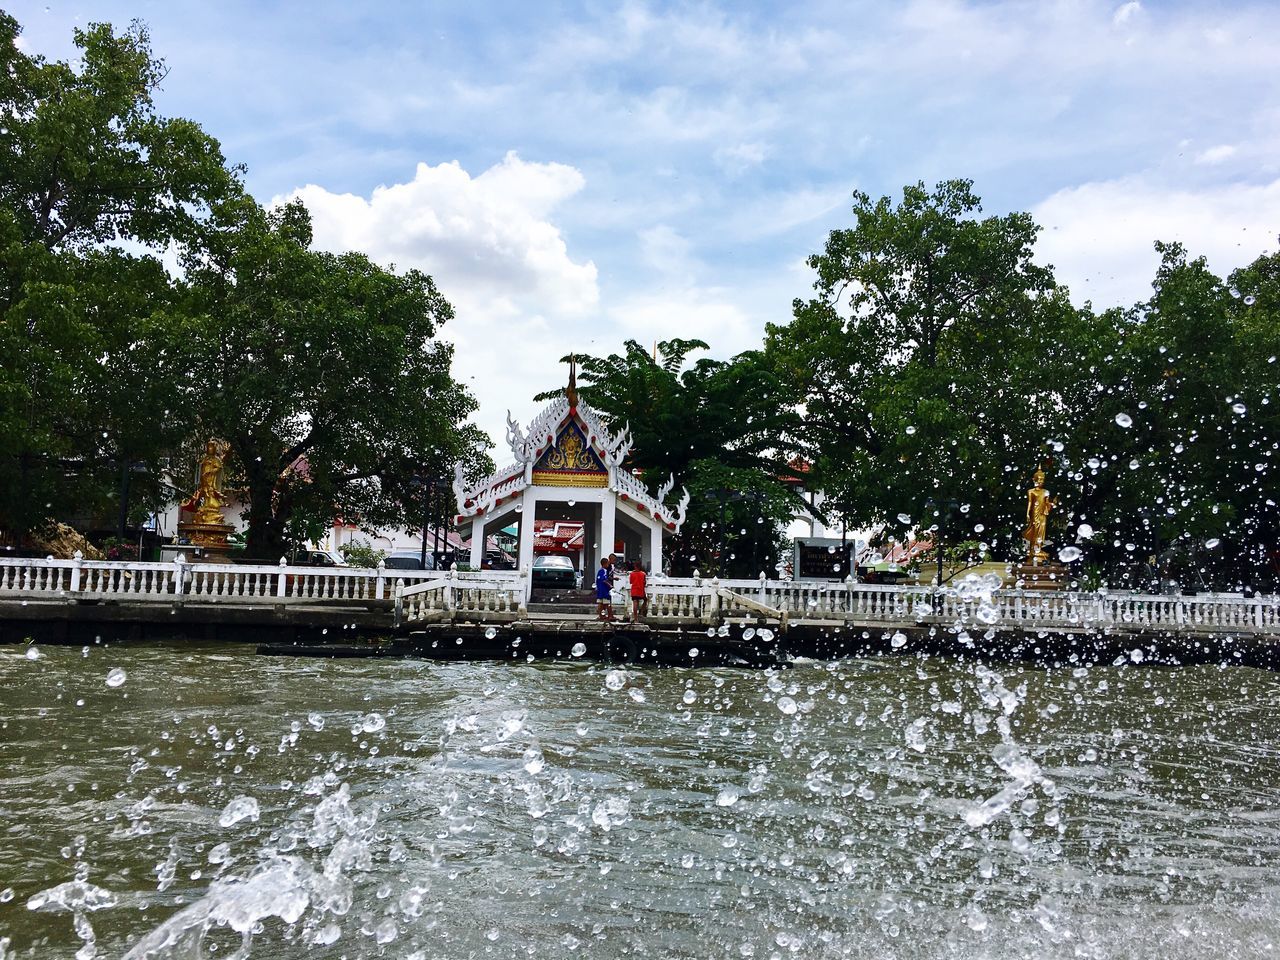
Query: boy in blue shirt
{"x": 604, "y": 587}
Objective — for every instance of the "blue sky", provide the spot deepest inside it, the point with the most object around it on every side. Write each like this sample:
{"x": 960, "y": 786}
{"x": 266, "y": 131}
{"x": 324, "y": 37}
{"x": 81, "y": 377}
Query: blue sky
{"x": 576, "y": 174}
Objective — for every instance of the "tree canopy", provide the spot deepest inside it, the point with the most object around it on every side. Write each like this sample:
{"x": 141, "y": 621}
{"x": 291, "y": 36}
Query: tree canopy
{"x": 324, "y": 371}
{"x": 939, "y": 364}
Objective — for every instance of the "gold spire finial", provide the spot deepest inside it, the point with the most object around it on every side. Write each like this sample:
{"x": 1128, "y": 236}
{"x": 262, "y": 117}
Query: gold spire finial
{"x": 571, "y": 392}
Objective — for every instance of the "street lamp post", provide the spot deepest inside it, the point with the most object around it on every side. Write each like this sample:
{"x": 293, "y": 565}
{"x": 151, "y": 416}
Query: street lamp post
{"x": 127, "y": 470}
{"x": 427, "y": 486}
{"x": 940, "y": 508}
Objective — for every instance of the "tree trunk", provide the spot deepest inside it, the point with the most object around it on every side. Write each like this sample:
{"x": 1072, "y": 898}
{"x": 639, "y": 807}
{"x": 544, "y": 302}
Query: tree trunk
{"x": 265, "y": 538}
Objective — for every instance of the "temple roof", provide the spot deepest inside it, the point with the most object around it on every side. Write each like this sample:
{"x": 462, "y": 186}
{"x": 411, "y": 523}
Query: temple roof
{"x": 569, "y": 445}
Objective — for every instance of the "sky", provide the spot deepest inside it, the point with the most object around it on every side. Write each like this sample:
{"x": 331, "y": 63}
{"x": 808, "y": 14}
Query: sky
{"x": 574, "y": 175}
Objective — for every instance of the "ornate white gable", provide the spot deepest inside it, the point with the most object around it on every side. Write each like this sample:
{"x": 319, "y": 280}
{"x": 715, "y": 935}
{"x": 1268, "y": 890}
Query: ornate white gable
{"x": 567, "y": 445}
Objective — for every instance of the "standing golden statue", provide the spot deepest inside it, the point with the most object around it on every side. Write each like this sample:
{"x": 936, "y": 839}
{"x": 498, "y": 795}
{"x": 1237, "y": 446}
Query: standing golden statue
{"x": 1039, "y": 505}
{"x": 207, "y": 501}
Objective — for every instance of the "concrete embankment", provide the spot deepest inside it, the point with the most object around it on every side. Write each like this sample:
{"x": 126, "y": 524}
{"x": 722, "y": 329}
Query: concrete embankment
{"x": 367, "y": 629}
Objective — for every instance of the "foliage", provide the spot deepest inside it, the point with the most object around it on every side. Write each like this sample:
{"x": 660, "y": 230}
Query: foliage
{"x": 939, "y": 362}
{"x": 715, "y": 426}
{"x": 361, "y": 553}
{"x": 935, "y": 362}
{"x": 1186, "y": 475}
{"x": 86, "y": 160}
{"x": 323, "y": 372}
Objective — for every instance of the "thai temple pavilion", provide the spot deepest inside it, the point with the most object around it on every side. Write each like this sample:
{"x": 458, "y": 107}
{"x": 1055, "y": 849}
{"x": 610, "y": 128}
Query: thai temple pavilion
{"x": 569, "y": 467}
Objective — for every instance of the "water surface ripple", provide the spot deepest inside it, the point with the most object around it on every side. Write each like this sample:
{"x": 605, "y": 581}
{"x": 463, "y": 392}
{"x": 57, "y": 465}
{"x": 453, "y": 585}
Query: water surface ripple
{"x": 216, "y": 803}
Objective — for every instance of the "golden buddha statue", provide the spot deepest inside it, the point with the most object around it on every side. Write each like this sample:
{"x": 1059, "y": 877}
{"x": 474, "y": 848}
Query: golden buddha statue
{"x": 208, "y": 500}
{"x": 1039, "y": 505}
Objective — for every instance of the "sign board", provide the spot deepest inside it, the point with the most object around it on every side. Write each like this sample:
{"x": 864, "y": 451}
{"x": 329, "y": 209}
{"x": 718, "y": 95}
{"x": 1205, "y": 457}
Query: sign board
{"x": 821, "y": 558}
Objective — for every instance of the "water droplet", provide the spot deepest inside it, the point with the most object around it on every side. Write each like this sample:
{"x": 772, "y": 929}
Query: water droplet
{"x": 1250, "y": 300}
{"x": 1238, "y": 408}
{"x": 1124, "y": 420}
{"x": 728, "y": 796}
{"x": 898, "y": 640}
{"x": 1212, "y": 543}
{"x": 1084, "y": 531}
{"x": 787, "y": 705}
{"x": 904, "y": 518}
{"x": 33, "y": 653}
{"x": 689, "y": 696}
{"x": 615, "y": 679}
{"x": 1070, "y": 554}
{"x": 372, "y": 723}
{"x": 579, "y": 650}
{"x": 910, "y": 430}
{"x": 490, "y": 633}
{"x": 241, "y": 808}
{"x": 116, "y": 677}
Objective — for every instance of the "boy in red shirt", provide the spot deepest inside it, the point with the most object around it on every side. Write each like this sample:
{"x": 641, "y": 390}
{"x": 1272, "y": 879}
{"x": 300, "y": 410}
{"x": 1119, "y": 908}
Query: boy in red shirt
{"x": 639, "y": 580}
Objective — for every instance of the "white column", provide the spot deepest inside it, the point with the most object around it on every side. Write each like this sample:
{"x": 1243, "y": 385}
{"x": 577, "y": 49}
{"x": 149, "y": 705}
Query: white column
{"x": 607, "y": 517}
{"x": 655, "y": 548}
{"x": 528, "y": 513}
{"x": 477, "y": 542}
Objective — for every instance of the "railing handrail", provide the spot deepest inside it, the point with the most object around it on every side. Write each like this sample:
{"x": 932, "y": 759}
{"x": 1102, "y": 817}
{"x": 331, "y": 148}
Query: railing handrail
{"x": 506, "y": 591}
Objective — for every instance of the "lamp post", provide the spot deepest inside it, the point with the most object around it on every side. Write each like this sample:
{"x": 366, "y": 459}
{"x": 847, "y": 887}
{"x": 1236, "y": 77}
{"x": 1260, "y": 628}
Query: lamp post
{"x": 941, "y": 508}
{"x": 127, "y": 470}
{"x": 427, "y": 486}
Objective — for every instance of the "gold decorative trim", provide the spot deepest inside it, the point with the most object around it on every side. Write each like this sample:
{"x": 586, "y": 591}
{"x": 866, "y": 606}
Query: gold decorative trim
{"x": 545, "y": 478}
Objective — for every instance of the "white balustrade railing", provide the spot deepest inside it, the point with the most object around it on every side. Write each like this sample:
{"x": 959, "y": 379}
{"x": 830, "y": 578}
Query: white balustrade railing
{"x": 503, "y": 595}
{"x": 104, "y": 579}
{"x": 472, "y": 595}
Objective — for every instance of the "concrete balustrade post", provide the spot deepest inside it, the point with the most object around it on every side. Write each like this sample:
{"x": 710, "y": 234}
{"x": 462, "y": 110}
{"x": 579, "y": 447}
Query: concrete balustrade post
{"x": 77, "y": 564}
{"x": 449, "y": 587}
{"x": 849, "y": 583}
{"x": 713, "y": 607}
{"x": 179, "y": 574}
{"x": 763, "y": 578}
{"x": 380, "y": 587}
{"x": 282, "y": 584}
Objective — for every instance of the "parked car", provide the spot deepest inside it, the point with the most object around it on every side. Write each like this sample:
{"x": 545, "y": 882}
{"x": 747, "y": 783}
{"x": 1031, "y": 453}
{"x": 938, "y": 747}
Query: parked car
{"x": 554, "y": 572}
{"x": 406, "y": 560}
{"x": 318, "y": 558}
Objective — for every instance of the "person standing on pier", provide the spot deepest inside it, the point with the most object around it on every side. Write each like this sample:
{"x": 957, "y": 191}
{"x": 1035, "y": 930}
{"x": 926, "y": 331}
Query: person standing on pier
{"x": 604, "y": 590}
{"x": 639, "y": 581}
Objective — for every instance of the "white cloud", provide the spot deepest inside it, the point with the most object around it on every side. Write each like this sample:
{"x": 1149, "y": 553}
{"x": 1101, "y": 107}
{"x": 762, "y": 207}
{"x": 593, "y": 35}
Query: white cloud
{"x": 740, "y": 157}
{"x": 1216, "y": 154}
{"x": 690, "y": 314}
{"x": 493, "y": 249}
{"x": 1099, "y": 236}
{"x": 490, "y": 234}
{"x": 1126, "y": 12}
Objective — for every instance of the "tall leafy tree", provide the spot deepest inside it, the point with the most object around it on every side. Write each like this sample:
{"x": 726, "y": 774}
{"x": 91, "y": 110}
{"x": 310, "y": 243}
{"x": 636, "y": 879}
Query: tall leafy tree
{"x": 85, "y": 160}
{"x": 937, "y": 361}
{"x": 323, "y": 372}
{"x": 1175, "y": 460}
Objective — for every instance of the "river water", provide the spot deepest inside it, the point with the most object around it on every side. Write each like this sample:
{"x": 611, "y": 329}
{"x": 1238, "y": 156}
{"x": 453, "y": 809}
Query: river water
{"x": 207, "y": 802}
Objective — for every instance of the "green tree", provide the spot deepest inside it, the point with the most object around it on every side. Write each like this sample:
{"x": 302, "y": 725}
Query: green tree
{"x": 938, "y": 361}
{"x": 85, "y": 160}
{"x": 323, "y": 372}
{"x": 1175, "y": 459}
{"x": 716, "y": 426}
